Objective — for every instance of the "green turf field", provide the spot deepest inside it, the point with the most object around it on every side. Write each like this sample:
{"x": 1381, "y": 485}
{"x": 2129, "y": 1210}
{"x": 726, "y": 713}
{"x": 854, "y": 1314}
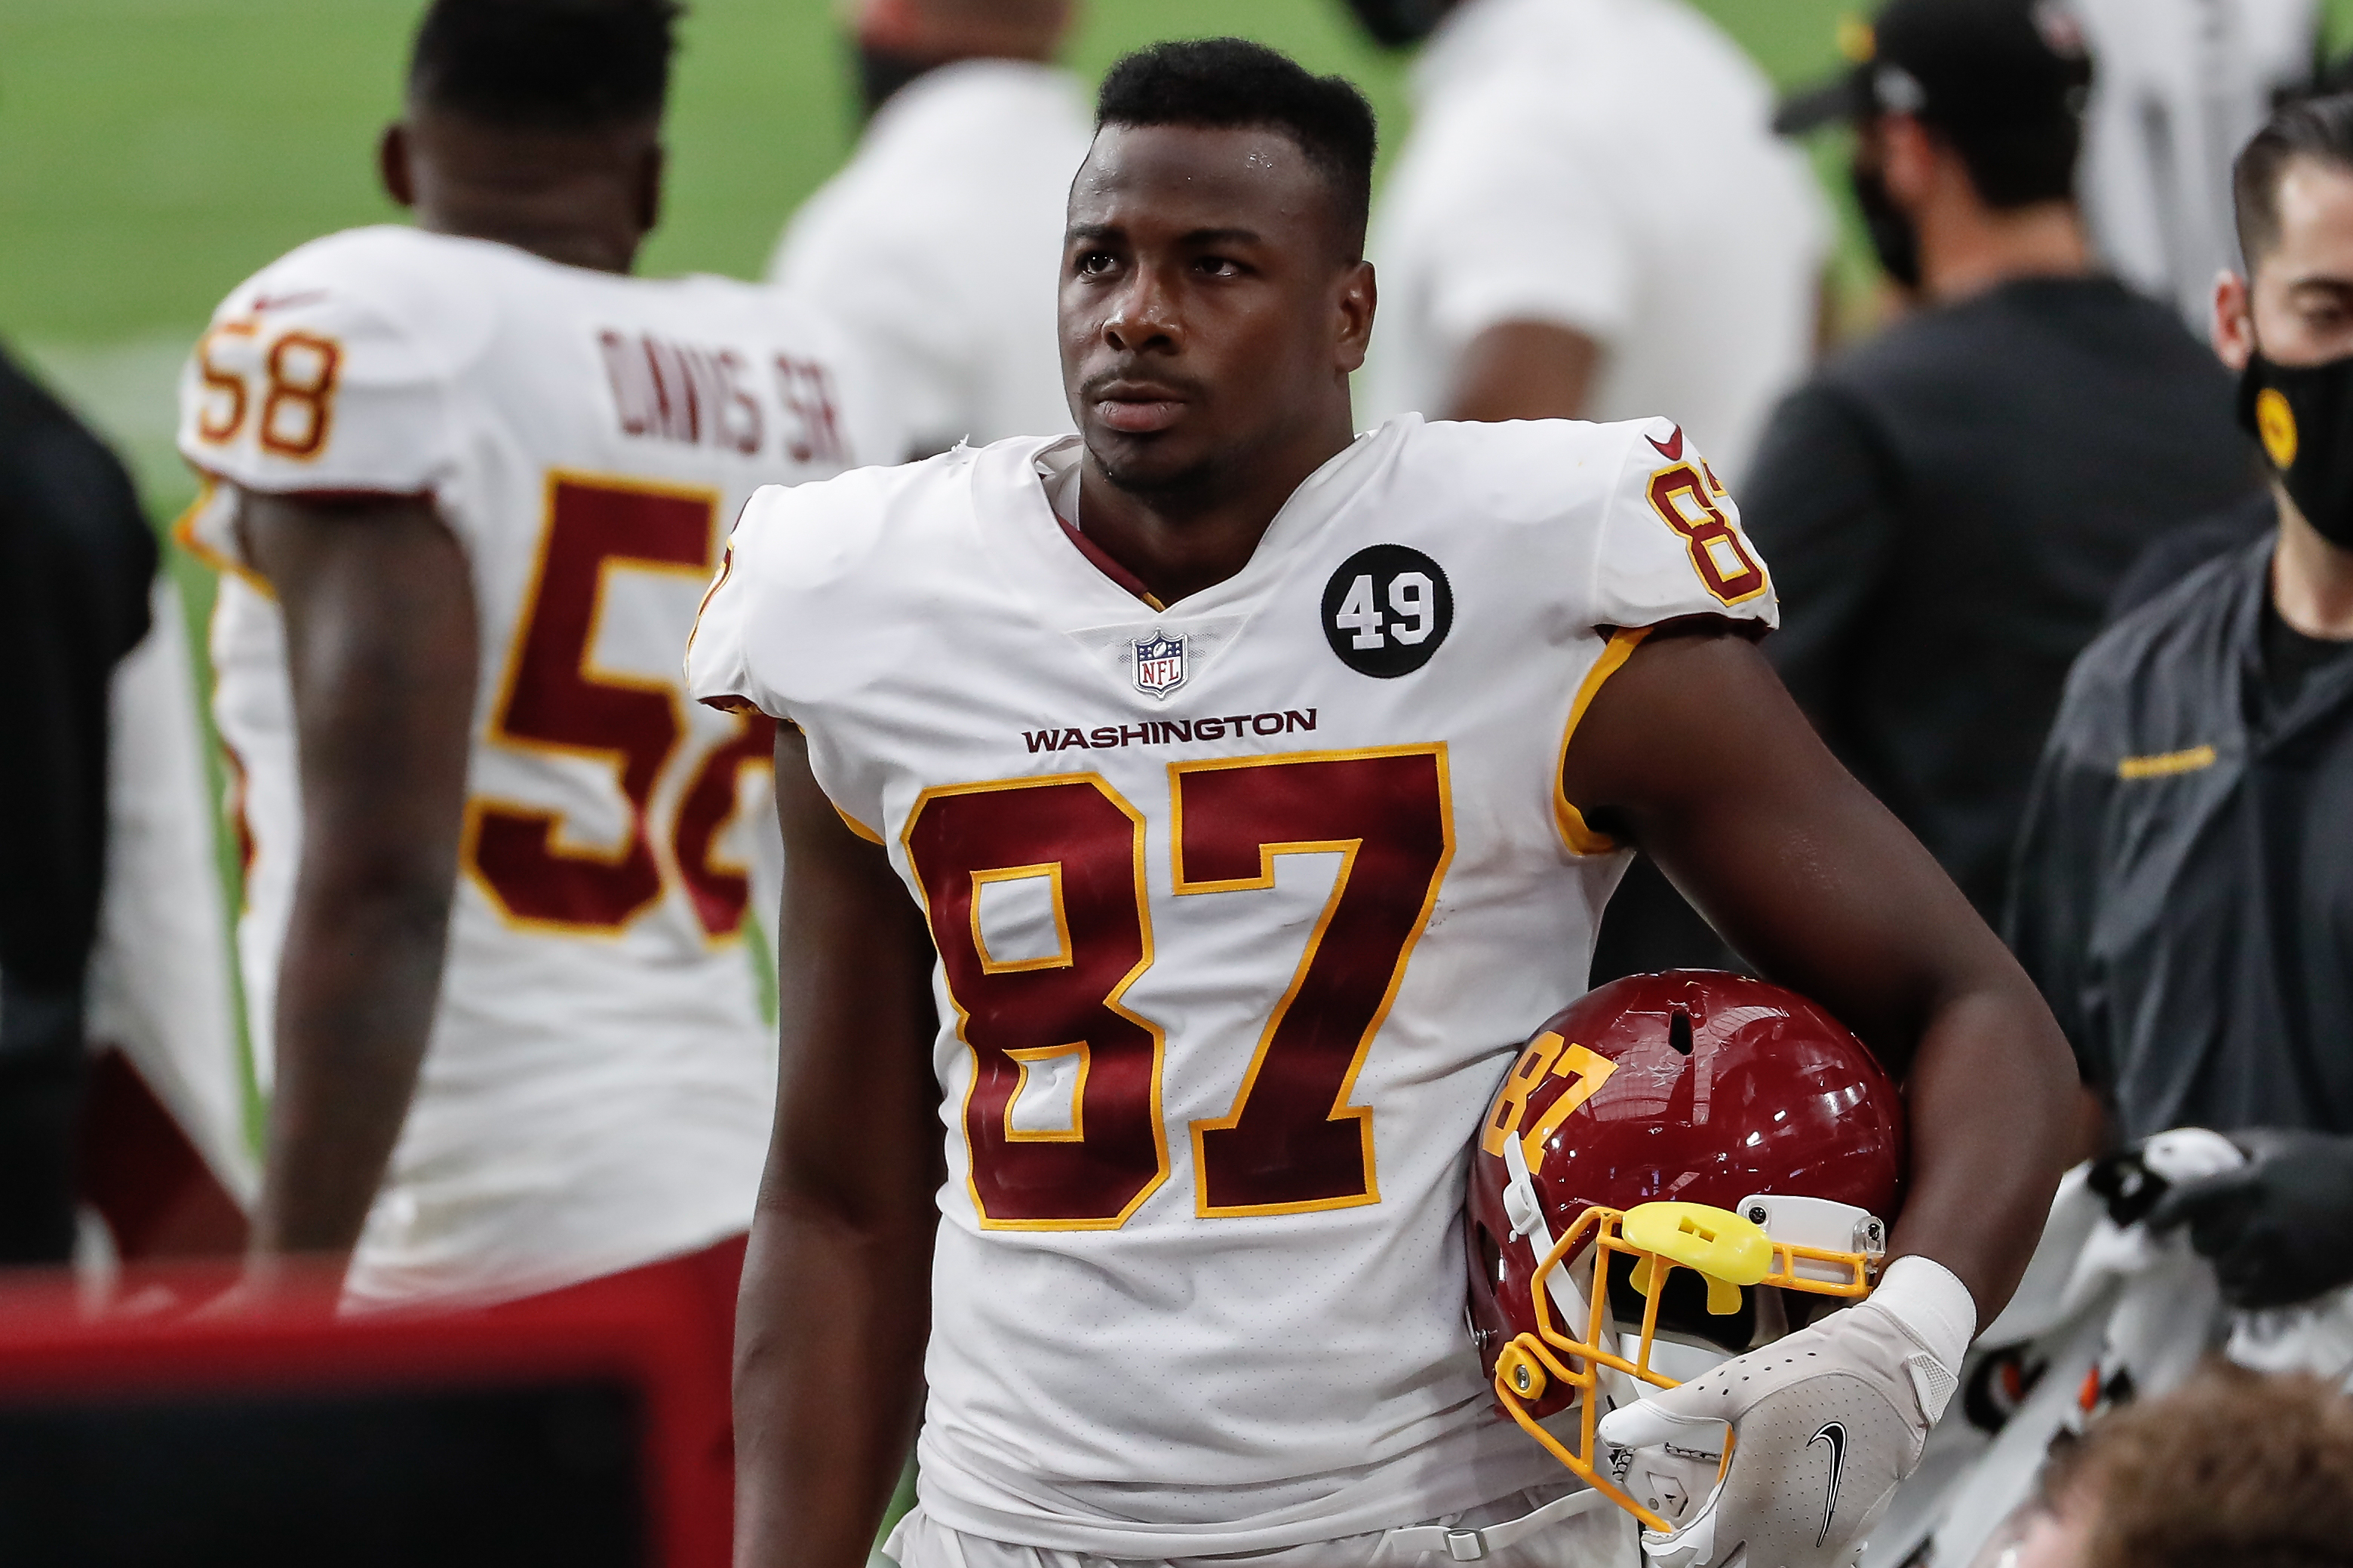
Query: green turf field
{"x": 155, "y": 152}
{"x": 152, "y": 153}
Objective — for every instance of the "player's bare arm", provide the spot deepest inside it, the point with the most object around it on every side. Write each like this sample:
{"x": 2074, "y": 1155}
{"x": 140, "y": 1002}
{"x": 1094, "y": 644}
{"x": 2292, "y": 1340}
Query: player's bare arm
{"x": 836, "y": 1285}
{"x": 1694, "y": 751}
{"x": 381, "y": 650}
{"x": 1525, "y": 369}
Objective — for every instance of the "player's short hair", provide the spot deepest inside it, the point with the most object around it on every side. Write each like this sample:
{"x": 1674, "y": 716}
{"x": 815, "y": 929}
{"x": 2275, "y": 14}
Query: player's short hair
{"x": 2232, "y": 1466}
{"x": 2318, "y": 128}
{"x": 558, "y": 65}
{"x": 1233, "y": 84}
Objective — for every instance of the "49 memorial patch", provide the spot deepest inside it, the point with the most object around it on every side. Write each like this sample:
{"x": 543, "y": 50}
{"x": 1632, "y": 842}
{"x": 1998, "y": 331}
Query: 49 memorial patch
{"x": 1386, "y": 610}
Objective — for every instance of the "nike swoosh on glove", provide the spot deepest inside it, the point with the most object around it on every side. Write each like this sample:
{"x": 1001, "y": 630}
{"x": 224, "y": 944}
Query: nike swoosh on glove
{"x": 1826, "y": 1422}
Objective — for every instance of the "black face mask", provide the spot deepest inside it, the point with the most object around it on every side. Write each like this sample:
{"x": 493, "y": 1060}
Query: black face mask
{"x": 2302, "y": 416}
{"x": 883, "y": 72}
{"x": 1892, "y": 238}
{"x": 1398, "y": 23}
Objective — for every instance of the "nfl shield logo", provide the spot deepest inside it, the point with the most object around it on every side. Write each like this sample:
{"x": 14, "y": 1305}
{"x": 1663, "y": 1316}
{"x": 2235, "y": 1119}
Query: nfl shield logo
{"x": 1159, "y": 664}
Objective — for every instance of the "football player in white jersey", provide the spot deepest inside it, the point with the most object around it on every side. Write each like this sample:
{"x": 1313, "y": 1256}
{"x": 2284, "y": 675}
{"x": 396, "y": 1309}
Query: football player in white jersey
{"x": 468, "y": 481}
{"x": 1191, "y": 817}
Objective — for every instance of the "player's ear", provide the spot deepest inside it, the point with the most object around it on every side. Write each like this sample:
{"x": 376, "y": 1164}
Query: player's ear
{"x": 651, "y": 163}
{"x": 2234, "y": 325}
{"x": 1907, "y": 158}
{"x": 392, "y": 164}
{"x": 1357, "y": 298}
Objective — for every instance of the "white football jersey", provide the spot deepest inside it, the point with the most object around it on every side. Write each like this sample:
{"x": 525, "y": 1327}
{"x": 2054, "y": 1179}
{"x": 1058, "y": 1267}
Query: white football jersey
{"x": 596, "y": 1090}
{"x": 1243, "y": 908}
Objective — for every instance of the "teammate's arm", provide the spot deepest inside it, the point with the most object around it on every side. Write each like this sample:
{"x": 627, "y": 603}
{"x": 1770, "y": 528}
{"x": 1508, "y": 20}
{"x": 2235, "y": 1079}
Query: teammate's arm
{"x": 1525, "y": 369}
{"x": 836, "y": 1303}
{"x": 380, "y": 644}
{"x": 1694, "y": 751}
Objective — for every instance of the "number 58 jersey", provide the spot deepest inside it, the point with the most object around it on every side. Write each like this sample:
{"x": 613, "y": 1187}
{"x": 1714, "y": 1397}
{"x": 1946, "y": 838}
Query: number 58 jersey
{"x": 595, "y": 1091}
{"x": 1241, "y": 908}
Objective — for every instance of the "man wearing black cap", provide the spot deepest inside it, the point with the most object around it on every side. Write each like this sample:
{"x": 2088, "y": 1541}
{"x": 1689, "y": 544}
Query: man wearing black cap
{"x": 1947, "y": 506}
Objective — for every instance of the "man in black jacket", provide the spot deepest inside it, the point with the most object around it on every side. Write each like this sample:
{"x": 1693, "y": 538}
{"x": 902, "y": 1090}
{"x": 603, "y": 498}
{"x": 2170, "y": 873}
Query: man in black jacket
{"x": 2184, "y": 891}
{"x": 1947, "y": 508}
{"x": 76, "y": 561}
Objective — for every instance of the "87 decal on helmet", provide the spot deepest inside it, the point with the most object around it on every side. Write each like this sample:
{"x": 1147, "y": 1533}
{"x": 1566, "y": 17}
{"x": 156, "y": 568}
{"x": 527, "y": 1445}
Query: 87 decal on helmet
{"x": 1678, "y": 1168}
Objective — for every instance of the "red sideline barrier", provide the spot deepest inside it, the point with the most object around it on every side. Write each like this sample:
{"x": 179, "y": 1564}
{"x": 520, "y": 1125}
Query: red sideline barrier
{"x": 166, "y": 1333}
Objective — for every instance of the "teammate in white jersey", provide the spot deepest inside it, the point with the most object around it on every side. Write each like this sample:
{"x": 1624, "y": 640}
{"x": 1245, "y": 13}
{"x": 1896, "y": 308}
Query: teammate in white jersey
{"x": 468, "y": 481}
{"x": 1240, "y": 792}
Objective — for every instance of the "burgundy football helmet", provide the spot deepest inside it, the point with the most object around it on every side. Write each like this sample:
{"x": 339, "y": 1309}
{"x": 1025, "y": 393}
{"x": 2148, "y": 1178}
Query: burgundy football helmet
{"x": 1701, "y": 1142}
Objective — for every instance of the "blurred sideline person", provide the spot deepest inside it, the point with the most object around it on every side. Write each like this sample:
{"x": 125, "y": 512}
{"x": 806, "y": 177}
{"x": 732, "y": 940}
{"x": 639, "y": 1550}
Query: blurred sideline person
{"x": 2184, "y": 867}
{"x": 465, "y": 481}
{"x": 936, "y": 246}
{"x": 1068, "y": 723}
{"x": 77, "y": 560}
{"x": 1592, "y": 220}
{"x": 1948, "y": 505}
{"x": 1563, "y": 239}
{"x": 2233, "y": 1468}
{"x": 2179, "y": 85}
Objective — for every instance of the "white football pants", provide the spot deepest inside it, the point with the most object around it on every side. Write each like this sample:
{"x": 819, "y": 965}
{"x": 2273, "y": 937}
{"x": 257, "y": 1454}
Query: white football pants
{"x": 1602, "y": 1537}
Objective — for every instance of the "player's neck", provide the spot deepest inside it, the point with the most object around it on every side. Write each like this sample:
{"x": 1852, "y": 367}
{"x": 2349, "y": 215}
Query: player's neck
{"x": 571, "y": 243}
{"x": 1180, "y": 541}
{"x": 584, "y": 198}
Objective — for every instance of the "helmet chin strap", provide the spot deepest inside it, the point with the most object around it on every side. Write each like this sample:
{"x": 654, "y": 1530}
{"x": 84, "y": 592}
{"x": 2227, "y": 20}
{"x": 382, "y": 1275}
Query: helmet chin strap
{"x": 1525, "y": 1211}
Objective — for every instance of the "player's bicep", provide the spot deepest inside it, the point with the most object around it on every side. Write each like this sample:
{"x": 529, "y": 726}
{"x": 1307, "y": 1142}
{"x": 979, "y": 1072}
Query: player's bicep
{"x": 1695, "y": 752}
{"x": 381, "y": 653}
{"x": 856, "y": 1133}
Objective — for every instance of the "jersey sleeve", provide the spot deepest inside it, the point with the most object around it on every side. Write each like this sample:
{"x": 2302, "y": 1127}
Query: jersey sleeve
{"x": 718, "y": 650}
{"x": 1669, "y": 542}
{"x": 309, "y": 381}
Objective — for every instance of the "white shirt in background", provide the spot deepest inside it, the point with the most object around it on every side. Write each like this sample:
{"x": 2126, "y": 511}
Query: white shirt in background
{"x": 939, "y": 248}
{"x": 2177, "y": 88}
{"x": 1607, "y": 166}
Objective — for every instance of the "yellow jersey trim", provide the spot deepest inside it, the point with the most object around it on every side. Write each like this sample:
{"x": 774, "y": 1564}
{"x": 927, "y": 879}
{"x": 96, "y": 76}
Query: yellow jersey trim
{"x": 1580, "y": 838}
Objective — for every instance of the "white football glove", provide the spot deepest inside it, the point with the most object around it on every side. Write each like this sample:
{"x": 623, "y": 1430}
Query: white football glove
{"x": 1826, "y": 1422}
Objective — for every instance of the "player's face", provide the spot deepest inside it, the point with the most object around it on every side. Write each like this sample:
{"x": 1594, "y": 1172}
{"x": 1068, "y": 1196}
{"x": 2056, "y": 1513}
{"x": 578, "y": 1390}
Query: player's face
{"x": 1208, "y": 311}
{"x": 2302, "y": 290}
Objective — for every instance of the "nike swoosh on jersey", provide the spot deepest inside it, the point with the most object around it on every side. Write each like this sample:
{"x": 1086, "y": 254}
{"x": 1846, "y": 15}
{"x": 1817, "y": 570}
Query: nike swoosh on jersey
{"x": 1834, "y": 1434}
{"x": 1672, "y": 450}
